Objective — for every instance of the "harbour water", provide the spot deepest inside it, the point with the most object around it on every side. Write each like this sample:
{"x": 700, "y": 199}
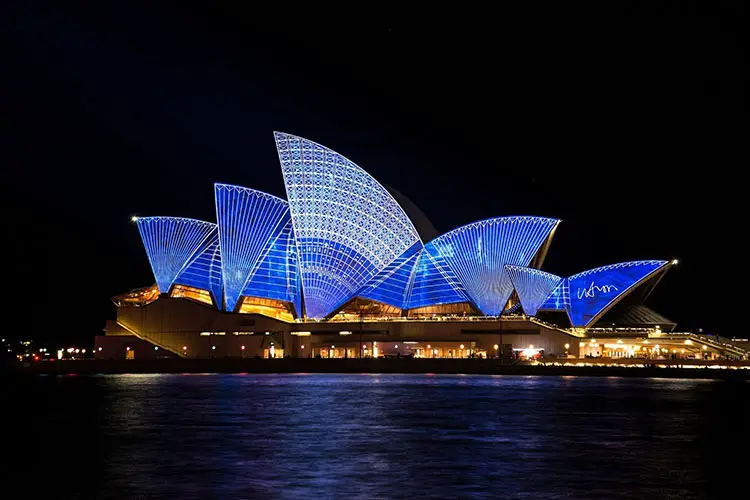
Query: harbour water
{"x": 379, "y": 436}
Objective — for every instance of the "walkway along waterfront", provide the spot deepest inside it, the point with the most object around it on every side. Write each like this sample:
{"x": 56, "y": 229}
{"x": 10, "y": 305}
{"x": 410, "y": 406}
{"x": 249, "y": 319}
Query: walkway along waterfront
{"x": 625, "y": 368}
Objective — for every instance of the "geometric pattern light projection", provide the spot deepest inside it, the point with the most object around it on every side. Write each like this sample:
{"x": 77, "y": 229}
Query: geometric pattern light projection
{"x": 204, "y": 271}
{"x": 170, "y": 243}
{"x": 433, "y": 283}
{"x": 347, "y": 226}
{"x": 532, "y": 285}
{"x": 276, "y": 276}
{"x": 478, "y": 253}
{"x": 391, "y": 285}
{"x": 249, "y": 223}
{"x": 559, "y": 298}
{"x": 594, "y": 291}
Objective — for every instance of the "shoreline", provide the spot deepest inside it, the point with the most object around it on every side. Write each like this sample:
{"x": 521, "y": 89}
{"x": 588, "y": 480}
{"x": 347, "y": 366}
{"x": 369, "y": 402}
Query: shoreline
{"x": 379, "y": 366}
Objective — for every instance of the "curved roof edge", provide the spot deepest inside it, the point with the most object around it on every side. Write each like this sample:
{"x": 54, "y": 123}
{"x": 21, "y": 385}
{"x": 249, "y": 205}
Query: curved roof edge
{"x": 151, "y": 218}
{"x": 532, "y": 270}
{"x": 490, "y": 220}
{"x": 541, "y": 254}
{"x": 425, "y": 229}
{"x": 276, "y": 133}
{"x": 243, "y": 188}
{"x": 619, "y": 265}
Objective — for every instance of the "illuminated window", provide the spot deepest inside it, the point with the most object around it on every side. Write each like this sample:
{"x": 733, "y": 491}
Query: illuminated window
{"x": 189, "y": 292}
{"x": 456, "y": 309}
{"x": 363, "y": 309}
{"x": 138, "y": 297}
{"x": 267, "y": 307}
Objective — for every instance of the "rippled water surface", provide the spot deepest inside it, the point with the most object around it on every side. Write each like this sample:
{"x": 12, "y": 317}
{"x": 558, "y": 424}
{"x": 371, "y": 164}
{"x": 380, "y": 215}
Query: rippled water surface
{"x": 381, "y": 436}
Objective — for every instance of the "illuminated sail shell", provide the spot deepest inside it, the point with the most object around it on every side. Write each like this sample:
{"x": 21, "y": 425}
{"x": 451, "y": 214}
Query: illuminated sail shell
{"x": 347, "y": 226}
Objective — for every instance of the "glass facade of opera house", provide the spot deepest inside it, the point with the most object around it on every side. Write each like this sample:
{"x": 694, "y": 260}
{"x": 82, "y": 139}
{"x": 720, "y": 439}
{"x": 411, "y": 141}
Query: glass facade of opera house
{"x": 347, "y": 267}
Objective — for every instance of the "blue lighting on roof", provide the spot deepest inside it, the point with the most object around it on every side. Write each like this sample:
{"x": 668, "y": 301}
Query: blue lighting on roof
{"x": 593, "y": 292}
{"x": 532, "y": 285}
{"x": 347, "y": 226}
{"x": 477, "y": 253}
{"x": 559, "y": 299}
{"x": 391, "y": 285}
{"x": 205, "y": 271}
{"x": 249, "y": 223}
{"x": 343, "y": 235}
{"x": 434, "y": 283}
{"x": 171, "y": 243}
{"x": 276, "y": 276}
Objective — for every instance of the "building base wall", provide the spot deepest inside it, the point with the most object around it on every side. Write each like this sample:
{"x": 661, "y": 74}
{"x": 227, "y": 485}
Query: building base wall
{"x": 116, "y": 347}
{"x": 189, "y": 329}
{"x": 193, "y": 330}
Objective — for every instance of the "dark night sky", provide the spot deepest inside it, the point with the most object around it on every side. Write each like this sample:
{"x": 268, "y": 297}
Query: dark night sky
{"x": 622, "y": 121}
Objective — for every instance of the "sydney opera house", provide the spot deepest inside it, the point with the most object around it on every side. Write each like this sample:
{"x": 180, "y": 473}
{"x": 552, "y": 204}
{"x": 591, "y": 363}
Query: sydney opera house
{"x": 346, "y": 267}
